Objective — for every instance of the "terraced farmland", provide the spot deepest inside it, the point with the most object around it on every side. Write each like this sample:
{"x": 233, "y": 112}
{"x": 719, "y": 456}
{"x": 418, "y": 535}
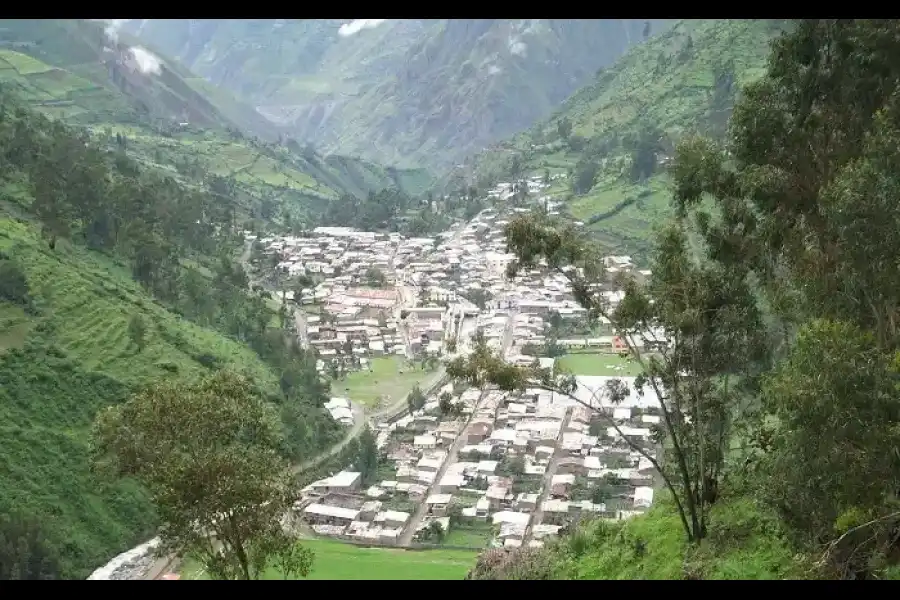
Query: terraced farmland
{"x": 87, "y": 301}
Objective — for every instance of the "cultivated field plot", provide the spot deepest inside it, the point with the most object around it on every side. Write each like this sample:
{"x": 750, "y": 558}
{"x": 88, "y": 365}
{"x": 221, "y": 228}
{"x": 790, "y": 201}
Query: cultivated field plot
{"x": 390, "y": 379}
{"x": 338, "y": 561}
{"x": 599, "y": 364}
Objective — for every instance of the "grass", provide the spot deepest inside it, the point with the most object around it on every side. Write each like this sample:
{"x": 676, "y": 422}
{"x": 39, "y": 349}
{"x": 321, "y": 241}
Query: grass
{"x": 476, "y": 535}
{"x": 14, "y": 327}
{"x": 598, "y": 364}
{"x": 88, "y": 299}
{"x": 64, "y": 361}
{"x": 388, "y": 380}
{"x": 744, "y": 543}
{"x": 22, "y": 63}
{"x": 337, "y": 561}
{"x": 47, "y": 405}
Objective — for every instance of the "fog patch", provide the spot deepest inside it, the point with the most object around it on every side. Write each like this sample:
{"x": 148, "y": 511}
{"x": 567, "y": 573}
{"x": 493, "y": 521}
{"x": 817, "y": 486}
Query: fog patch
{"x": 357, "y": 25}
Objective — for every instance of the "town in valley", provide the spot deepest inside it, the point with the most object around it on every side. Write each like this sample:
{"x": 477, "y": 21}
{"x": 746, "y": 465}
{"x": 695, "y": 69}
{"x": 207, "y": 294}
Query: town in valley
{"x": 460, "y": 466}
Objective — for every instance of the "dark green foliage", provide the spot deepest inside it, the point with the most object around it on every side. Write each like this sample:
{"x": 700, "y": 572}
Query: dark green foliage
{"x": 47, "y": 404}
{"x": 25, "y": 553}
{"x": 13, "y": 285}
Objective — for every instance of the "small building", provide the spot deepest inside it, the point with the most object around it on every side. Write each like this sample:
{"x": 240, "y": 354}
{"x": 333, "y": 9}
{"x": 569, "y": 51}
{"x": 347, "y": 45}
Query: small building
{"x": 323, "y": 514}
{"x": 561, "y": 485}
{"x": 345, "y": 481}
{"x": 425, "y": 442}
{"x": 438, "y": 504}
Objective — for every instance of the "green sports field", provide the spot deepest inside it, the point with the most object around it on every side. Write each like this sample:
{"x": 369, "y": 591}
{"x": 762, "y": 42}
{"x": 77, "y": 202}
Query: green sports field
{"x": 341, "y": 561}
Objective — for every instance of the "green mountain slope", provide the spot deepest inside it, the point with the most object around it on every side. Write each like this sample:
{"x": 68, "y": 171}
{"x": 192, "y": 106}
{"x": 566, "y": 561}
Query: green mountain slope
{"x": 177, "y": 121}
{"x": 405, "y": 91}
{"x": 682, "y": 80}
{"x": 95, "y": 244}
{"x": 92, "y": 76}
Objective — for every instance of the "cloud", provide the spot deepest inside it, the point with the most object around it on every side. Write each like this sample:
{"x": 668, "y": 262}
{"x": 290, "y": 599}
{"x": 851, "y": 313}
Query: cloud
{"x": 112, "y": 28}
{"x": 357, "y": 25}
{"x": 145, "y": 61}
{"x": 137, "y": 58}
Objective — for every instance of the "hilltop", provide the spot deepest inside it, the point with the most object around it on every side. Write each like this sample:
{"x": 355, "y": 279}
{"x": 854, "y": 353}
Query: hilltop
{"x": 399, "y": 91}
{"x": 612, "y": 137}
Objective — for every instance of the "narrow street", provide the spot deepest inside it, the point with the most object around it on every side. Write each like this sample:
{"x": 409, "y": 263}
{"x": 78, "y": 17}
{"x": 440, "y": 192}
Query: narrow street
{"x": 407, "y": 536}
{"x": 558, "y": 455}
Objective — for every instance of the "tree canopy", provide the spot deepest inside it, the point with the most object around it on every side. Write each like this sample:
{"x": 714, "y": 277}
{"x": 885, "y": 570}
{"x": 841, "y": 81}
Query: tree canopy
{"x": 210, "y": 455}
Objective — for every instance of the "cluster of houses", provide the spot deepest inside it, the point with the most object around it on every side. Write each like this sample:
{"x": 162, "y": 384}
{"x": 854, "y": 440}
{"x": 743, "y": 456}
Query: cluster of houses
{"x": 360, "y": 302}
{"x": 519, "y": 466}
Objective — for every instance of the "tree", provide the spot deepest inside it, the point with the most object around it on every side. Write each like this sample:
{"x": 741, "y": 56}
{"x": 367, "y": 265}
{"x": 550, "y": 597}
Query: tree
{"x": 375, "y": 278}
{"x": 711, "y": 331}
{"x": 25, "y": 553}
{"x": 834, "y": 449}
{"x": 805, "y": 201}
{"x": 137, "y": 332}
{"x": 13, "y": 284}
{"x": 302, "y": 283}
{"x": 434, "y": 531}
{"x": 455, "y": 514}
{"x": 367, "y": 455}
{"x": 585, "y": 175}
{"x": 564, "y": 128}
{"x": 416, "y": 399}
{"x": 209, "y": 454}
{"x": 447, "y": 407}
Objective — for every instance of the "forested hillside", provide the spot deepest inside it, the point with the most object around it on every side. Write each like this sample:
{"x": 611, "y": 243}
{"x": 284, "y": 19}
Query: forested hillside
{"x": 405, "y": 92}
{"x": 775, "y": 287}
{"x": 612, "y": 138}
{"x": 114, "y": 275}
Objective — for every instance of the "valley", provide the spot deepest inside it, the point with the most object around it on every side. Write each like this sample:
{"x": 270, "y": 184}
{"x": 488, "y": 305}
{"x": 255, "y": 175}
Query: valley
{"x": 448, "y": 299}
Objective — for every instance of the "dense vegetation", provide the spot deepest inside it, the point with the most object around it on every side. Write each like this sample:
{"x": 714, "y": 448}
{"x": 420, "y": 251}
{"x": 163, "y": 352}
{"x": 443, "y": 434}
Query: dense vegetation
{"x": 782, "y": 323}
{"x": 606, "y": 147}
{"x": 210, "y": 454}
{"x": 115, "y": 275}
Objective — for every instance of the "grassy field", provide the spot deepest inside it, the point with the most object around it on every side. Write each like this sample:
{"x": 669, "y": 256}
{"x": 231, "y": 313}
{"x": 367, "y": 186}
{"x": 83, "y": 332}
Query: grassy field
{"x": 598, "y": 364}
{"x": 389, "y": 379}
{"x": 337, "y": 561}
{"x": 14, "y": 326}
{"x": 477, "y": 535}
{"x": 744, "y": 544}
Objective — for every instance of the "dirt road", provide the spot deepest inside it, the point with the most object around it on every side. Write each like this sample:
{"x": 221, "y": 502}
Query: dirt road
{"x": 407, "y": 536}
{"x": 558, "y": 455}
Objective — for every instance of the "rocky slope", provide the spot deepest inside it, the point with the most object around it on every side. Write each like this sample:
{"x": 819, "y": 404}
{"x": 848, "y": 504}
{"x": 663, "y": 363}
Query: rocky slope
{"x": 421, "y": 92}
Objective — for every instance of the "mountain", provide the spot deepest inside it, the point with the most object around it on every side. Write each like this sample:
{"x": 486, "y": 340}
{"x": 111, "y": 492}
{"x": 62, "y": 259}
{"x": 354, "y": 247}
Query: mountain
{"x": 406, "y": 91}
{"x": 609, "y": 141}
{"x": 116, "y": 273}
{"x": 91, "y": 75}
